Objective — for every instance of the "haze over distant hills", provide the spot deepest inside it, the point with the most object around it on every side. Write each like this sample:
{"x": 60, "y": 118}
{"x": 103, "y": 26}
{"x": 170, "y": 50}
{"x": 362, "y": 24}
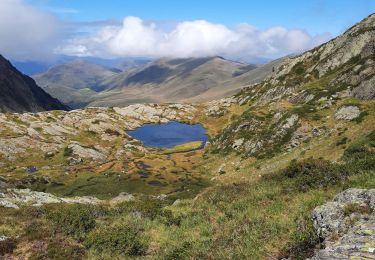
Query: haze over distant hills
{"x": 75, "y": 82}
{"x": 80, "y": 83}
{"x": 19, "y": 93}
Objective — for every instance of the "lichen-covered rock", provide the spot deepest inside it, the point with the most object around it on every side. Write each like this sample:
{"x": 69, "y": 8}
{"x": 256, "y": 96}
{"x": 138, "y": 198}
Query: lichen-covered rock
{"x": 348, "y": 113}
{"x": 347, "y": 226}
{"x": 14, "y": 198}
{"x": 79, "y": 151}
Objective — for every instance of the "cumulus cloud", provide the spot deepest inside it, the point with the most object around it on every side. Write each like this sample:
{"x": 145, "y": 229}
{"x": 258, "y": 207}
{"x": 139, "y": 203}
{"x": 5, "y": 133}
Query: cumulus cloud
{"x": 26, "y": 33}
{"x": 136, "y": 38}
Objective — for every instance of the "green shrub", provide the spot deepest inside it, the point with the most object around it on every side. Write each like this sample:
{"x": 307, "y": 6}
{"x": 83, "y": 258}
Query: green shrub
{"x": 125, "y": 239}
{"x": 146, "y": 208}
{"x": 314, "y": 173}
{"x": 74, "y": 220}
{"x": 36, "y": 230}
{"x": 299, "y": 68}
{"x": 361, "y": 116}
{"x": 68, "y": 151}
{"x": 168, "y": 218}
{"x": 361, "y": 150}
{"x": 179, "y": 252}
{"x": 342, "y": 141}
{"x": 59, "y": 249}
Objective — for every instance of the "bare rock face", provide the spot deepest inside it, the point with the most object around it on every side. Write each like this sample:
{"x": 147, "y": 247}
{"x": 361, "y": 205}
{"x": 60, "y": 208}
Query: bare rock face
{"x": 366, "y": 90}
{"x": 346, "y": 226}
{"x": 20, "y": 93}
{"x": 348, "y": 113}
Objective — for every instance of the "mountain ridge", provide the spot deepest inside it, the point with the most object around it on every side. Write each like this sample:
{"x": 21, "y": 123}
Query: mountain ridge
{"x": 162, "y": 80}
{"x": 20, "y": 93}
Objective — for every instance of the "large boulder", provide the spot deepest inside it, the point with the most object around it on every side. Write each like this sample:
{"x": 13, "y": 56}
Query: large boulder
{"x": 346, "y": 226}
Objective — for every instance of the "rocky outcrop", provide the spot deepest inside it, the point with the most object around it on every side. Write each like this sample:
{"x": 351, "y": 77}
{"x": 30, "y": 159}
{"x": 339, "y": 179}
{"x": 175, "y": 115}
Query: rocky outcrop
{"x": 53, "y": 132}
{"x": 346, "y": 226}
{"x": 78, "y": 151}
{"x": 220, "y": 107}
{"x": 15, "y": 198}
{"x": 155, "y": 113}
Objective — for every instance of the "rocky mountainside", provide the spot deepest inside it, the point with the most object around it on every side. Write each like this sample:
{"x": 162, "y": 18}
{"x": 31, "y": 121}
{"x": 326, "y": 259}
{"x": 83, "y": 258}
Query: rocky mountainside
{"x": 19, "y": 93}
{"x": 75, "y": 82}
{"x": 302, "y": 88}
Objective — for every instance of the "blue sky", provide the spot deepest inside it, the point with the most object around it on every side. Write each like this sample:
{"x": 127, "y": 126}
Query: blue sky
{"x": 315, "y": 16}
{"x": 237, "y": 29}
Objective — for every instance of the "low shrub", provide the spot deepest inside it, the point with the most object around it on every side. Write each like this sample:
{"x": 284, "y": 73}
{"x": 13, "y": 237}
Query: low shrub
{"x": 74, "y": 220}
{"x": 58, "y": 248}
{"x": 168, "y": 218}
{"x": 179, "y": 252}
{"x": 125, "y": 239}
{"x": 146, "y": 208}
{"x": 342, "y": 141}
{"x": 314, "y": 173}
{"x": 36, "y": 230}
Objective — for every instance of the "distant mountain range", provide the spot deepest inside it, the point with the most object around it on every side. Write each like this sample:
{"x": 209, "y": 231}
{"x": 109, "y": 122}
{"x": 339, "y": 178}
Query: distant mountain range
{"x": 35, "y": 67}
{"x": 19, "y": 93}
{"x": 75, "y": 82}
{"x": 82, "y": 83}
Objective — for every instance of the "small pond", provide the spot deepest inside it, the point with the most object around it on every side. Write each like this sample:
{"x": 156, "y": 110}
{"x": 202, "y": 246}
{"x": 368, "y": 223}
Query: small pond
{"x": 169, "y": 135}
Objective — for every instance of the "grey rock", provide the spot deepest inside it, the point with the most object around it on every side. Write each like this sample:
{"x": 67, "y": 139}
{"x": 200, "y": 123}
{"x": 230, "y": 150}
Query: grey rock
{"x": 347, "y": 113}
{"x": 346, "y": 234}
{"x": 366, "y": 90}
{"x": 221, "y": 169}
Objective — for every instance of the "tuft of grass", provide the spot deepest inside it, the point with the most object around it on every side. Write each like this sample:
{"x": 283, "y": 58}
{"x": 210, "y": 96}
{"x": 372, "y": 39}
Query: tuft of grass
{"x": 356, "y": 208}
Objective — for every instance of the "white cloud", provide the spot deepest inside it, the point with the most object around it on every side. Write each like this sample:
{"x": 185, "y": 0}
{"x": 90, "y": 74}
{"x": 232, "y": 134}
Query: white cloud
{"x": 191, "y": 39}
{"x": 26, "y": 33}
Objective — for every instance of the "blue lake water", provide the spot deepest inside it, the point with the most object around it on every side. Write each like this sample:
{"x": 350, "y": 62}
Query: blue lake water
{"x": 169, "y": 135}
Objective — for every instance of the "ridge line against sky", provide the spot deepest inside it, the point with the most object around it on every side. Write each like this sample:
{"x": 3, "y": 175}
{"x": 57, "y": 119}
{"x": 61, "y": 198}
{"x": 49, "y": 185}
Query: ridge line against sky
{"x": 241, "y": 30}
